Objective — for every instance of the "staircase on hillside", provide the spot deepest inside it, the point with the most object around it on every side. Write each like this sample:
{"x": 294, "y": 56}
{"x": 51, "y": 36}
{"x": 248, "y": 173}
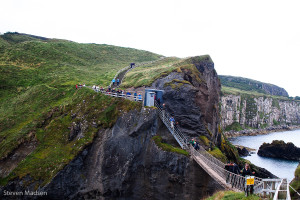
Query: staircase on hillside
{"x": 122, "y": 72}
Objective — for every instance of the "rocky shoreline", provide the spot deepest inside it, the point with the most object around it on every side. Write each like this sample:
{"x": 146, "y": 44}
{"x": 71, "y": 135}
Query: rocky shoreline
{"x": 253, "y": 132}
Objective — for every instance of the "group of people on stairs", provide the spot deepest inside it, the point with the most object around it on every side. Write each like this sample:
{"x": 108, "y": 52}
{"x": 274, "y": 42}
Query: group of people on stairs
{"x": 116, "y": 82}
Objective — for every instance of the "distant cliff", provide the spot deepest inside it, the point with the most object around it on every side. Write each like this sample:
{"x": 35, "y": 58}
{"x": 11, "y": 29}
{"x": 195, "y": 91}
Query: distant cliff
{"x": 252, "y": 85}
{"x": 246, "y": 111}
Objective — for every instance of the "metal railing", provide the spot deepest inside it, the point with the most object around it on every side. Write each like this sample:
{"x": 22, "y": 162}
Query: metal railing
{"x": 282, "y": 191}
{"x": 122, "y": 95}
{"x": 216, "y": 169}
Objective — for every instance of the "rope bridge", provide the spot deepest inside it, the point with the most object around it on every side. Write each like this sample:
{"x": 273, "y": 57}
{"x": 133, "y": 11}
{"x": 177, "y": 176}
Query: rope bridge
{"x": 276, "y": 188}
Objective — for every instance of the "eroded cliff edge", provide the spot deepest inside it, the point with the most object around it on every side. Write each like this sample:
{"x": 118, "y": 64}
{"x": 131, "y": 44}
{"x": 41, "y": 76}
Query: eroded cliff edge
{"x": 192, "y": 95}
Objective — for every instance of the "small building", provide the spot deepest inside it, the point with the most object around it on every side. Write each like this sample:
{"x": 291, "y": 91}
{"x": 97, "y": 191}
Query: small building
{"x": 151, "y": 94}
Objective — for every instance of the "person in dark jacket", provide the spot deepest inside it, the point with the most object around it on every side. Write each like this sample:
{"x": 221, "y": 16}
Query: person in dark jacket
{"x": 196, "y": 146}
{"x": 192, "y": 142}
{"x": 158, "y": 101}
{"x": 246, "y": 171}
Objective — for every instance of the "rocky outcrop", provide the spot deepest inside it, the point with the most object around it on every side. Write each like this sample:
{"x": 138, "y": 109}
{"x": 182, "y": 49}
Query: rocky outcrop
{"x": 242, "y": 111}
{"x": 124, "y": 162}
{"x": 279, "y": 149}
{"x": 191, "y": 95}
{"x": 243, "y": 151}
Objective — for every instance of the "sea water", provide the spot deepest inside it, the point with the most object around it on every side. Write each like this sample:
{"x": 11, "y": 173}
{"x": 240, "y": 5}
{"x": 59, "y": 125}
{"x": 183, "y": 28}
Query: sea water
{"x": 279, "y": 167}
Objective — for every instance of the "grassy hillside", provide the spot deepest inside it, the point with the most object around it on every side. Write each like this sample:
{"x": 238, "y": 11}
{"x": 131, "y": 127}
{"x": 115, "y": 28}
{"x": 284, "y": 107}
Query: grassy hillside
{"x": 38, "y": 77}
{"x": 235, "y": 91}
{"x": 146, "y": 75}
{"x": 230, "y": 195}
{"x": 252, "y": 86}
{"x": 296, "y": 182}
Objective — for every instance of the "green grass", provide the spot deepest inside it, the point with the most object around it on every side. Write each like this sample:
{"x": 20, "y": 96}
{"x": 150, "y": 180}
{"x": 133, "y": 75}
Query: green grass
{"x": 145, "y": 75}
{"x": 296, "y": 182}
{"x": 204, "y": 140}
{"x": 230, "y": 195}
{"x": 176, "y": 84}
{"x": 37, "y": 97}
{"x": 251, "y": 85}
{"x": 216, "y": 152}
{"x": 235, "y": 91}
{"x": 234, "y": 126}
{"x": 55, "y": 150}
{"x": 229, "y": 150}
{"x": 168, "y": 147}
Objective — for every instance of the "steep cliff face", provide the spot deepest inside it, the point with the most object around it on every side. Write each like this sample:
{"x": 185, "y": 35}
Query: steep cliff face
{"x": 191, "y": 95}
{"x": 125, "y": 163}
{"x": 258, "y": 112}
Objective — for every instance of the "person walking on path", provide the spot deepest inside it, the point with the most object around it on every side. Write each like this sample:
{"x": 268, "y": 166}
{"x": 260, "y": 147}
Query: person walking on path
{"x": 113, "y": 81}
{"x": 172, "y": 121}
{"x": 131, "y": 65}
{"x": 158, "y": 101}
{"x": 140, "y": 97}
{"x": 192, "y": 142}
{"x": 246, "y": 171}
{"x": 118, "y": 81}
{"x": 135, "y": 96}
{"x": 196, "y": 146}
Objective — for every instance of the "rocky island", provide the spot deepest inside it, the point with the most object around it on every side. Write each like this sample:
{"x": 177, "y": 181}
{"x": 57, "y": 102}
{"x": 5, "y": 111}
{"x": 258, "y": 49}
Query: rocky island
{"x": 280, "y": 149}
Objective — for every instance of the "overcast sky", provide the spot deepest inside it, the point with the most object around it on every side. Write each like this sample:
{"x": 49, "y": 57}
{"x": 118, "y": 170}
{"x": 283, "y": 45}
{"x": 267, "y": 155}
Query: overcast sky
{"x": 257, "y": 39}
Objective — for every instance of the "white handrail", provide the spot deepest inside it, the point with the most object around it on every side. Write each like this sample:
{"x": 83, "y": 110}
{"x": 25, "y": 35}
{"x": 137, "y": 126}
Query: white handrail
{"x": 277, "y": 190}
